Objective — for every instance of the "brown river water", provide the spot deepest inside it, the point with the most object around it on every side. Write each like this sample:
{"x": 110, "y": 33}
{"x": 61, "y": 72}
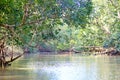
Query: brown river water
{"x": 63, "y": 67}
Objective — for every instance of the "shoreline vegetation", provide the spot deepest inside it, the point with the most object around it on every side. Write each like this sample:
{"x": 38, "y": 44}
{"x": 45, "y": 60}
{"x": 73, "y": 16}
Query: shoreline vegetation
{"x": 86, "y": 50}
{"x": 7, "y": 56}
{"x": 91, "y": 50}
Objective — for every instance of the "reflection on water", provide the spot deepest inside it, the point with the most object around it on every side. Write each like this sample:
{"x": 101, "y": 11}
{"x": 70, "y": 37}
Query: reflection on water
{"x": 63, "y": 67}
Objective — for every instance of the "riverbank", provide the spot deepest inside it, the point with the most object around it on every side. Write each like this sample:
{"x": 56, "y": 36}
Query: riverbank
{"x": 108, "y": 52}
{"x": 88, "y": 50}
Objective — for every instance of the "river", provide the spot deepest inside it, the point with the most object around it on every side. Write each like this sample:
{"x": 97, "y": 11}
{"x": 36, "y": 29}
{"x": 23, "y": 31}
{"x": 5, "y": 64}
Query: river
{"x": 63, "y": 67}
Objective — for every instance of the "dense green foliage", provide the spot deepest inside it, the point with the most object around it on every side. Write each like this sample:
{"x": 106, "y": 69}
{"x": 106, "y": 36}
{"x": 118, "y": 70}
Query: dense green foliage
{"x": 27, "y": 23}
{"x": 60, "y": 24}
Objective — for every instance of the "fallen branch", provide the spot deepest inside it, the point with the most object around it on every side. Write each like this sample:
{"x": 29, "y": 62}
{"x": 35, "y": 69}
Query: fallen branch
{"x": 8, "y": 62}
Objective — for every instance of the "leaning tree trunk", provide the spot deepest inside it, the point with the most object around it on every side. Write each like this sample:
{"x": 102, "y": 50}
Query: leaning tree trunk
{"x": 2, "y": 54}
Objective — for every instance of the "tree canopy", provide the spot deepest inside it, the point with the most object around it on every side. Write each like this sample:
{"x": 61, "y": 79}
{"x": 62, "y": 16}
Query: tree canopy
{"x": 24, "y": 21}
{"x": 60, "y": 23}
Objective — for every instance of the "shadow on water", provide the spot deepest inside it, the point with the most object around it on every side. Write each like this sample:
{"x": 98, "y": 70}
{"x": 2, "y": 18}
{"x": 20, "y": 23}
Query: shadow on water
{"x": 63, "y": 67}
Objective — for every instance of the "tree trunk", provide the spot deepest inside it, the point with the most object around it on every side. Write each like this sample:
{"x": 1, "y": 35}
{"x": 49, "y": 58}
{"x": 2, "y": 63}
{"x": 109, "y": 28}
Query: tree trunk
{"x": 2, "y": 53}
{"x": 0, "y": 63}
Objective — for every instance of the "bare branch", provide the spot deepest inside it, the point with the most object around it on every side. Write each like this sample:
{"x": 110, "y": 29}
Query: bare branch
{"x": 7, "y": 26}
{"x": 25, "y": 15}
{"x": 118, "y": 14}
{"x": 113, "y": 3}
{"x": 33, "y": 22}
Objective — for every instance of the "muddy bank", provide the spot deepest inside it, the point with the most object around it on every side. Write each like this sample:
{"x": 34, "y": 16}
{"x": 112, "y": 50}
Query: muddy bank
{"x": 91, "y": 50}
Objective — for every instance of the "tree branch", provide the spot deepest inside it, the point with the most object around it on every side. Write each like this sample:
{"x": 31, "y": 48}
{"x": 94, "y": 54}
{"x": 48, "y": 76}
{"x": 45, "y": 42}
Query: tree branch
{"x": 25, "y": 15}
{"x": 113, "y": 3}
{"x": 7, "y": 26}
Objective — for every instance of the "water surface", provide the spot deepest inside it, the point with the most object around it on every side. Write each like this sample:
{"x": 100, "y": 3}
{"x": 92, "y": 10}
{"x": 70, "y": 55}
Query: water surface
{"x": 63, "y": 67}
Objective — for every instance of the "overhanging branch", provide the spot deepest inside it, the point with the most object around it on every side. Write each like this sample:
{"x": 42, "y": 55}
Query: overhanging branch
{"x": 7, "y": 26}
